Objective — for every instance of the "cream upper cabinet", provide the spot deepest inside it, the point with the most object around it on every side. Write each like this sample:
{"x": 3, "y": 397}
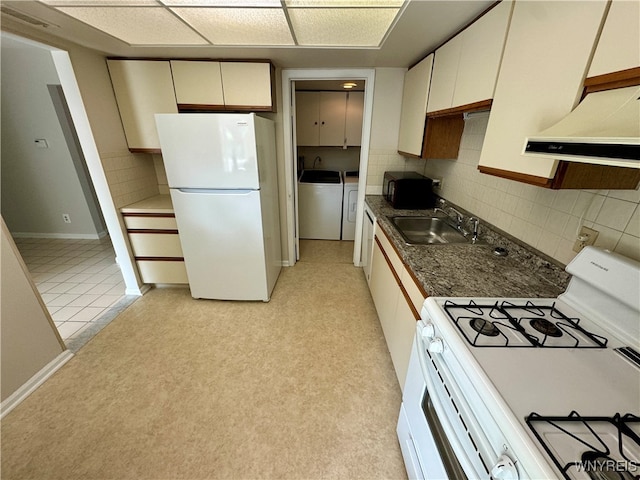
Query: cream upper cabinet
{"x": 142, "y": 89}
{"x": 247, "y": 85}
{"x": 353, "y": 127}
{"x": 541, "y": 79}
{"x": 333, "y": 110}
{"x": 480, "y": 56}
{"x": 414, "y": 107}
{"x": 331, "y": 119}
{"x": 445, "y": 71}
{"x": 619, "y": 45}
{"x": 197, "y": 83}
{"x": 307, "y": 118}
{"x": 466, "y": 67}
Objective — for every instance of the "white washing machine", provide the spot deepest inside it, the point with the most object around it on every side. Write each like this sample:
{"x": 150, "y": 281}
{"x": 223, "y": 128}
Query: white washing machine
{"x": 320, "y": 205}
{"x": 349, "y": 207}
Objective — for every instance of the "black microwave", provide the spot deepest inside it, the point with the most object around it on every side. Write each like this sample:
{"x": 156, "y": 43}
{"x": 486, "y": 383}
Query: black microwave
{"x": 408, "y": 190}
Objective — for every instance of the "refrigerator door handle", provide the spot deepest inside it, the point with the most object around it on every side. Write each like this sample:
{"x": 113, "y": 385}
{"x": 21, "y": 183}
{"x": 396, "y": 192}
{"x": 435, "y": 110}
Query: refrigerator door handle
{"x": 215, "y": 192}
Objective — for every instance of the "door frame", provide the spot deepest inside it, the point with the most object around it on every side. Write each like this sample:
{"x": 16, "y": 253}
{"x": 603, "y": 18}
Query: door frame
{"x": 289, "y": 77}
{"x": 66, "y": 75}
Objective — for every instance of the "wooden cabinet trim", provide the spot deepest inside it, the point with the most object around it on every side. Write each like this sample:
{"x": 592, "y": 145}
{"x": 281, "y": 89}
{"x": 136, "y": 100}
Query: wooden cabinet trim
{"x": 389, "y": 264}
{"x": 609, "y": 81}
{"x": 159, "y": 259}
{"x": 415, "y": 280}
{"x": 145, "y": 150}
{"x": 406, "y": 296}
{"x": 148, "y": 215}
{"x": 153, "y": 231}
{"x": 442, "y": 137}
{"x": 520, "y": 177}
{"x": 196, "y": 107}
{"x": 572, "y": 175}
{"x": 468, "y": 108}
{"x": 407, "y": 299}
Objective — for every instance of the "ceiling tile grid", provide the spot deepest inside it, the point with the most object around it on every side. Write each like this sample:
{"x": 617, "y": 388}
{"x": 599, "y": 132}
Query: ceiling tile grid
{"x": 306, "y": 23}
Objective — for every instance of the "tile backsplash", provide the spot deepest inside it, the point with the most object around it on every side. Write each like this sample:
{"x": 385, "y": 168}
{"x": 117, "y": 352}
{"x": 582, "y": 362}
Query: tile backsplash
{"x": 546, "y": 219}
{"x": 131, "y": 177}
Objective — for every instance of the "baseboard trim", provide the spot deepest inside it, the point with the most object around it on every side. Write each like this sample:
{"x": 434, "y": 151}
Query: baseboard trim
{"x": 34, "y": 382}
{"x": 70, "y": 236}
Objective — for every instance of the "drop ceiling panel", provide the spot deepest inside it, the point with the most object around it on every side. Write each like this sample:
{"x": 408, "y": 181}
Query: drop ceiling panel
{"x": 137, "y": 25}
{"x": 239, "y": 26}
{"x": 343, "y": 27}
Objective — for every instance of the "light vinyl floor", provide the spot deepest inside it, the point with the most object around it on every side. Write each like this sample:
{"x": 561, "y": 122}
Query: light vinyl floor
{"x": 301, "y": 387}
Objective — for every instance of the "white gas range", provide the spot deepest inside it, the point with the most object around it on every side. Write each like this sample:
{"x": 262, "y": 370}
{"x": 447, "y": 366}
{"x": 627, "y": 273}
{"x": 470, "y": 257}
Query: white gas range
{"x": 529, "y": 388}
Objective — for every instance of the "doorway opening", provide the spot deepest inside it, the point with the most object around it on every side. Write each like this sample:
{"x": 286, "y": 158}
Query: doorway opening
{"x": 51, "y": 201}
{"x": 326, "y": 165}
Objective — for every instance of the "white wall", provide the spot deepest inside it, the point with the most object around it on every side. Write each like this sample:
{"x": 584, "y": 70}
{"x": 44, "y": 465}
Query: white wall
{"x": 38, "y": 185}
{"x": 30, "y": 340}
{"x": 383, "y": 153}
{"x": 543, "y": 218}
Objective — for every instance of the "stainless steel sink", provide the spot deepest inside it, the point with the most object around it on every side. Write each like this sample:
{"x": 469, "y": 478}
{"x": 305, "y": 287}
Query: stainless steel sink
{"x": 428, "y": 230}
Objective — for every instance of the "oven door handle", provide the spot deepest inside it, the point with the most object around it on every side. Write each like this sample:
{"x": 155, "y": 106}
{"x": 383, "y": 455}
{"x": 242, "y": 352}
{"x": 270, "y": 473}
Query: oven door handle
{"x": 456, "y": 445}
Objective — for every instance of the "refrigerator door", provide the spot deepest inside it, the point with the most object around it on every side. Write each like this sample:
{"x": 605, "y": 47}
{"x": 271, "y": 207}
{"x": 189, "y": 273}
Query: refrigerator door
{"x": 221, "y": 233}
{"x": 205, "y": 150}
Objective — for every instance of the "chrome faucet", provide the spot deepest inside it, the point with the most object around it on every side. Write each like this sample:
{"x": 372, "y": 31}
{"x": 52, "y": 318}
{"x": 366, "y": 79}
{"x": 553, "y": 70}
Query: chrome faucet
{"x": 317, "y": 159}
{"x": 476, "y": 222}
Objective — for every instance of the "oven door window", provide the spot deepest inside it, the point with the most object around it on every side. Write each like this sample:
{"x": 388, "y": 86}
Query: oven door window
{"x": 448, "y": 456}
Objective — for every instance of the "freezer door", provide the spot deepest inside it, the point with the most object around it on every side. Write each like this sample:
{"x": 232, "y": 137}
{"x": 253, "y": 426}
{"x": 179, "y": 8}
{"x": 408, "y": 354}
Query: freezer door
{"x": 205, "y": 150}
{"x": 222, "y": 240}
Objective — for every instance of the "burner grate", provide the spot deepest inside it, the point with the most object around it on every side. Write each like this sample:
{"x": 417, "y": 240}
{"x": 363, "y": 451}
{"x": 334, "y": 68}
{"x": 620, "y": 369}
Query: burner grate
{"x": 599, "y": 457}
{"x": 505, "y": 324}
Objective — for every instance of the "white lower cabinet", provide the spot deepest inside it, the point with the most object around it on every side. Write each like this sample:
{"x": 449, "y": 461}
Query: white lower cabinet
{"x": 156, "y": 247}
{"x": 394, "y": 304}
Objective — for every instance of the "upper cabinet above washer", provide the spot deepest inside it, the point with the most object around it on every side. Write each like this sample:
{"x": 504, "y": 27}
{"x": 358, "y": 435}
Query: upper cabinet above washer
{"x": 466, "y": 67}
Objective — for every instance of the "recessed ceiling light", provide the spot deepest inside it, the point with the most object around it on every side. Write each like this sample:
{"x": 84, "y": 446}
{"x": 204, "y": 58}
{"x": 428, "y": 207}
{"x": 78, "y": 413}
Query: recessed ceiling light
{"x": 349, "y": 85}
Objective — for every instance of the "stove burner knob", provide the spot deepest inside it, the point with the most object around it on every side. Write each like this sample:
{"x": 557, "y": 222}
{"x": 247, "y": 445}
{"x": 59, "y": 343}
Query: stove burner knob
{"x": 428, "y": 331}
{"x": 436, "y": 346}
{"x": 504, "y": 469}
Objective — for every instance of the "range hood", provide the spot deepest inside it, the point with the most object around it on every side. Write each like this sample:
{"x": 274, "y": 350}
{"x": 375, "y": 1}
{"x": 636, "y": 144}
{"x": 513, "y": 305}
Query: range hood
{"x": 603, "y": 129}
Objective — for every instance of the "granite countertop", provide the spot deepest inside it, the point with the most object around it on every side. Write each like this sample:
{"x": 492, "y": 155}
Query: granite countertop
{"x": 155, "y": 204}
{"x": 465, "y": 270}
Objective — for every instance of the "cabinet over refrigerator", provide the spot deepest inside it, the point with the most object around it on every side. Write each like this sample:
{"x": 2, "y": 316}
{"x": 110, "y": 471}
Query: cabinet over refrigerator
{"x": 221, "y": 170}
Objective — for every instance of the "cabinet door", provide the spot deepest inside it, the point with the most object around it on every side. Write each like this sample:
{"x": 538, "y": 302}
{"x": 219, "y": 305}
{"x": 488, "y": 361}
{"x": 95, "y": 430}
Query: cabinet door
{"x": 368, "y": 230}
{"x": 246, "y": 86}
{"x": 353, "y": 129}
{"x": 401, "y": 340}
{"x": 198, "y": 83}
{"x": 385, "y": 291}
{"x": 307, "y": 117}
{"x": 142, "y": 89}
{"x": 333, "y": 111}
{"x": 540, "y": 81}
{"x": 414, "y": 108}
{"x": 445, "y": 71}
{"x": 619, "y": 44}
{"x": 480, "y": 56}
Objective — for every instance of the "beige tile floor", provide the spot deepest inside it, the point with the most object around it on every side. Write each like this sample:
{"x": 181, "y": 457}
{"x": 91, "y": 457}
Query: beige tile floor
{"x": 79, "y": 280}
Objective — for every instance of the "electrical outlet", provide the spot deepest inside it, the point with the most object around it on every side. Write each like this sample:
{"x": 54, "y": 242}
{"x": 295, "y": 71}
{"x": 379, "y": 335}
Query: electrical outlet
{"x": 587, "y": 236}
{"x": 66, "y": 217}
{"x": 437, "y": 183}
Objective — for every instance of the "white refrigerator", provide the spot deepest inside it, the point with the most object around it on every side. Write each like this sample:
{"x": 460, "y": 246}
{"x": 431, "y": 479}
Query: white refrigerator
{"x": 221, "y": 170}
